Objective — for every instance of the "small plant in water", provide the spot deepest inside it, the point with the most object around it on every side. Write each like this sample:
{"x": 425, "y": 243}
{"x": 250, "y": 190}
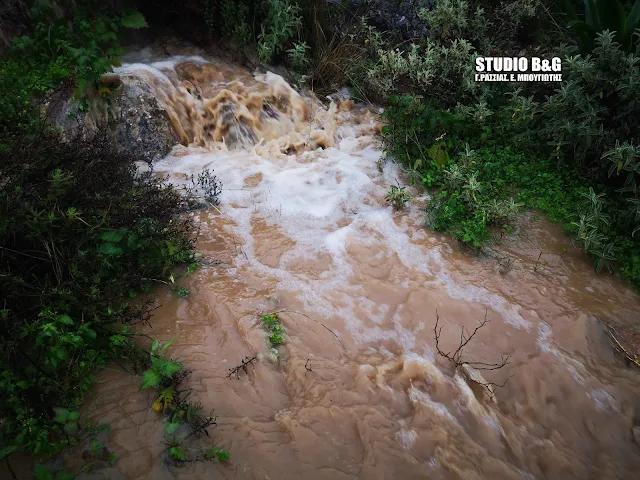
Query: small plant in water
{"x": 220, "y": 453}
{"x": 162, "y": 370}
{"x": 180, "y": 291}
{"x": 274, "y": 328}
{"x": 191, "y": 268}
{"x": 398, "y": 197}
{"x": 97, "y": 456}
{"x": 176, "y": 451}
{"x": 203, "y": 191}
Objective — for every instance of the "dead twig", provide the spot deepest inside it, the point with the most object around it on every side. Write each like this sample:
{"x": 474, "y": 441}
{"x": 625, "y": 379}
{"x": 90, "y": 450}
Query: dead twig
{"x": 200, "y": 424}
{"x": 619, "y": 348}
{"x": 246, "y": 361}
{"x": 468, "y": 367}
{"x": 535, "y": 269}
{"x": 307, "y": 368}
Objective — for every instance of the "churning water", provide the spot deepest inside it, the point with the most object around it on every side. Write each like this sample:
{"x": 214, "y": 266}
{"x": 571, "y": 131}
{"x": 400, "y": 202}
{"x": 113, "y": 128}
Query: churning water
{"x": 357, "y": 391}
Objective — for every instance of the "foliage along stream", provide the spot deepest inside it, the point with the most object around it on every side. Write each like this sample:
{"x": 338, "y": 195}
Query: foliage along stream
{"x": 357, "y": 389}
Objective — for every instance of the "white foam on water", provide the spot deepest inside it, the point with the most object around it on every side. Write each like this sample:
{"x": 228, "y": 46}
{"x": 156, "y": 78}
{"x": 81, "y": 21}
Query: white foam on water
{"x": 406, "y": 438}
{"x": 422, "y": 400}
{"x": 325, "y": 201}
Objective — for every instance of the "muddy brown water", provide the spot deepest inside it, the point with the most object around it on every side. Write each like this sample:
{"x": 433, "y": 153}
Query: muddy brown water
{"x": 303, "y": 228}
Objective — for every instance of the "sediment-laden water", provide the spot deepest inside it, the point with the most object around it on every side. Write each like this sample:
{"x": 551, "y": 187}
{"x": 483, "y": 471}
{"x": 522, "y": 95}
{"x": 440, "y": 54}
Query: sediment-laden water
{"x": 358, "y": 390}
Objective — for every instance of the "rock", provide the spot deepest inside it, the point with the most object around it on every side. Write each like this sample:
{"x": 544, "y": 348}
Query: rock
{"x": 400, "y": 16}
{"x": 139, "y": 124}
{"x": 136, "y": 121}
{"x": 635, "y": 432}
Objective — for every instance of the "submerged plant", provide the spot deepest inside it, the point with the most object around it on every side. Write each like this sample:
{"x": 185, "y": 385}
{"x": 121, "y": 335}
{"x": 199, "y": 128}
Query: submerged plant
{"x": 175, "y": 449}
{"x": 180, "y": 291}
{"x": 220, "y": 453}
{"x": 274, "y": 327}
{"x": 203, "y": 190}
{"x": 162, "y": 370}
{"x": 398, "y": 197}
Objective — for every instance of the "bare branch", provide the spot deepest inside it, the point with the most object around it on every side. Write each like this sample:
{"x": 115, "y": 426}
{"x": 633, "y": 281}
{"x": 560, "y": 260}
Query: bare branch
{"x": 243, "y": 366}
{"x": 459, "y": 363}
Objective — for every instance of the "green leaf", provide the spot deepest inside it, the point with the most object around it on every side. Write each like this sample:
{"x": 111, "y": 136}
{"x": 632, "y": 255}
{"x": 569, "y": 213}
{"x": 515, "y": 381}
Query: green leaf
{"x": 169, "y": 368}
{"x": 109, "y": 249}
{"x": 150, "y": 379}
{"x": 167, "y": 345}
{"x": 172, "y": 427}
{"x": 591, "y": 14}
{"x": 113, "y": 235}
{"x": 91, "y": 333}
{"x": 133, "y": 19}
{"x": 74, "y": 415}
{"x": 62, "y": 414}
{"x": 632, "y": 23}
{"x": 64, "y": 319}
{"x": 5, "y": 451}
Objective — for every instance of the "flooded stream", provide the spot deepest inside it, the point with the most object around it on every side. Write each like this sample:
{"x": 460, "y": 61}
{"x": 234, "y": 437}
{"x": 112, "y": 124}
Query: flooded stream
{"x": 357, "y": 390}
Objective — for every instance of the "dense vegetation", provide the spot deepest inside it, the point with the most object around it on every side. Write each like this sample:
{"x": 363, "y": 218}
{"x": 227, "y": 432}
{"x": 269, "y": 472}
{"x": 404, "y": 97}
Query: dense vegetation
{"x": 569, "y": 149}
{"x": 81, "y": 234}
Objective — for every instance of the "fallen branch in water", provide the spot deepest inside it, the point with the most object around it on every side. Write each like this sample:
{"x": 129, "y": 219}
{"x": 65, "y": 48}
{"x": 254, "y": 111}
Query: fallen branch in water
{"x": 469, "y": 369}
{"x": 243, "y": 366}
{"x": 456, "y": 356}
{"x": 619, "y": 348}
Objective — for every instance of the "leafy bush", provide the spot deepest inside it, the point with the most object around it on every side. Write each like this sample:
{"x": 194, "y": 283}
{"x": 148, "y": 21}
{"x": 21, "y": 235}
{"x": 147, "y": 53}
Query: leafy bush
{"x": 597, "y": 105}
{"x": 282, "y": 24}
{"x": 234, "y": 21}
{"x": 609, "y": 15}
{"x": 82, "y": 45}
{"x": 79, "y": 234}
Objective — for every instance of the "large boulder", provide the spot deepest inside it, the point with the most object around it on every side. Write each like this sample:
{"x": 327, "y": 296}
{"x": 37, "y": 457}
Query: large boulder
{"x": 134, "y": 118}
{"x": 139, "y": 124}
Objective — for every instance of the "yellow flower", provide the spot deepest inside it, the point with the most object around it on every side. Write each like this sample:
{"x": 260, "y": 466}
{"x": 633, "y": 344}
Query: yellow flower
{"x": 157, "y": 406}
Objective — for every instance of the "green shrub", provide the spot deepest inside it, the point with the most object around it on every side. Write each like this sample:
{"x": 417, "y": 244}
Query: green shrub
{"x": 597, "y": 105}
{"x": 83, "y": 44}
{"x": 601, "y": 16}
{"x": 80, "y": 233}
{"x": 444, "y": 72}
{"x": 235, "y": 21}
{"x": 281, "y": 26}
{"x": 398, "y": 197}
